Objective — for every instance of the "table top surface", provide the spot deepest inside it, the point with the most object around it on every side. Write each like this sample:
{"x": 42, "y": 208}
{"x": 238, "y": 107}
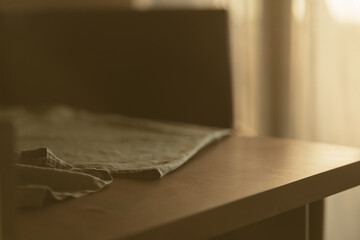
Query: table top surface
{"x": 232, "y": 183}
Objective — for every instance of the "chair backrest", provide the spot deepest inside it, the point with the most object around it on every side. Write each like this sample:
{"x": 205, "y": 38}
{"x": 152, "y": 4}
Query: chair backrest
{"x": 7, "y": 182}
{"x": 170, "y": 65}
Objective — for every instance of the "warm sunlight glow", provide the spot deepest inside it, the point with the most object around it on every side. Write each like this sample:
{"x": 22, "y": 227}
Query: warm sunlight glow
{"x": 345, "y": 11}
{"x": 298, "y": 9}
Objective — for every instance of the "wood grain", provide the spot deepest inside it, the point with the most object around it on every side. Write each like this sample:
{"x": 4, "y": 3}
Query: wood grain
{"x": 231, "y": 184}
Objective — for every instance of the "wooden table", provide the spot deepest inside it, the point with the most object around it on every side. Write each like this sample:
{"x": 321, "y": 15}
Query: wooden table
{"x": 254, "y": 186}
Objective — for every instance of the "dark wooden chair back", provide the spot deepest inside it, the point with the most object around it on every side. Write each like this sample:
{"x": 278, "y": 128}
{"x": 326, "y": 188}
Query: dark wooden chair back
{"x": 170, "y": 65}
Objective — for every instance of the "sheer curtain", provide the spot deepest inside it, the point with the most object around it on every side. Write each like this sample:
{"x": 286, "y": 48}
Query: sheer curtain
{"x": 296, "y": 69}
{"x": 324, "y": 92}
{"x": 306, "y": 85}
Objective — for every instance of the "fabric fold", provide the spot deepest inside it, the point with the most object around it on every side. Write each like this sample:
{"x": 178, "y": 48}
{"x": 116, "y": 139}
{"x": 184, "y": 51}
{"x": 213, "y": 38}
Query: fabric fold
{"x": 44, "y": 178}
{"x": 90, "y": 147}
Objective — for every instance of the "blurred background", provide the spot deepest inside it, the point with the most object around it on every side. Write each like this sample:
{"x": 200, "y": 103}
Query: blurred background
{"x": 295, "y": 70}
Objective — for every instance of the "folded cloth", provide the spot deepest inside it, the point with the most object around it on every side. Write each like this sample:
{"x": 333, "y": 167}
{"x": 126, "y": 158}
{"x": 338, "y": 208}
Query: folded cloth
{"x": 124, "y": 146}
{"x": 44, "y": 178}
{"x": 90, "y": 143}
